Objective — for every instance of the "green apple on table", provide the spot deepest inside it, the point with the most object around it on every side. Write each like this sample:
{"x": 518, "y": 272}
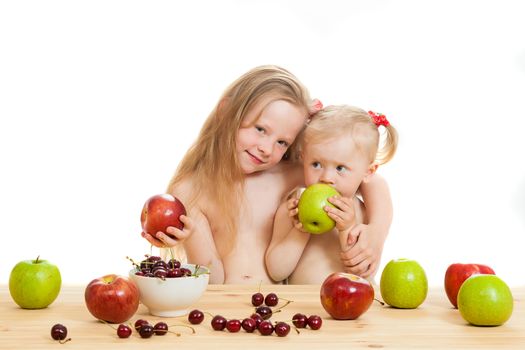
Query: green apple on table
{"x": 485, "y": 300}
{"x": 403, "y": 284}
{"x": 311, "y": 205}
{"x": 34, "y": 284}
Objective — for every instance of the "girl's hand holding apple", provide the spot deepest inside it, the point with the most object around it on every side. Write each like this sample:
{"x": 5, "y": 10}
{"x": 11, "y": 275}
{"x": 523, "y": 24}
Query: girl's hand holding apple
{"x": 172, "y": 236}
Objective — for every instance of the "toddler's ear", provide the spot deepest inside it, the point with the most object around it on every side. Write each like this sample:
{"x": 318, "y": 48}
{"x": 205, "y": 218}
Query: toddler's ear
{"x": 370, "y": 171}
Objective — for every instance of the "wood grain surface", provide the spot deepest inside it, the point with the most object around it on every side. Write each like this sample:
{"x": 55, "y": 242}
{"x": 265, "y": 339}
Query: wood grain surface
{"x": 435, "y": 324}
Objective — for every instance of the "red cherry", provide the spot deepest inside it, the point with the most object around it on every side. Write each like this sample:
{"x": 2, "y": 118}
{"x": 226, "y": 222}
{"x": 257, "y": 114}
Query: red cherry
{"x": 160, "y": 328}
{"x": 196, "y": 317}
{"x": 218, "y": 323}
{"x": 123, "y": 331}
{"x": 249, "y": 324}
{"x": 282, "y": 329}
{"x": 271, "y": 299}
{"x": 139, "y": 323}
{"x": 266, "y": 328}
{"x": 264, "y": 311}
{"x": 300, "y": 320}
{"x": 233, "y": 326}
{"x": 257, "y": 299}
{"x": 315, "y": 322}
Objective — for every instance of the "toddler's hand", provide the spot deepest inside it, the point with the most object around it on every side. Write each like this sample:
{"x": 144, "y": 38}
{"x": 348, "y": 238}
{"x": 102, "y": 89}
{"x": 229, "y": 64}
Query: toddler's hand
{"x": 173, "y": 235}
{"x": 343, "y": 214}
{"x": 293, "y": 211}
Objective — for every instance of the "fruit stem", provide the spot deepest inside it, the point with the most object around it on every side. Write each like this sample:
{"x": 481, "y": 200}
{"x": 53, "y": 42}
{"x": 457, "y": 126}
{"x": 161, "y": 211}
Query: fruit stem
{"x": 133, "y": 262}
{"x": 380, "y": 302}
{"x": 285, "y": 304}
{"x": 36, "y": 261}
{"x": 64, "y": 341}
{"x": 183, "y": 325}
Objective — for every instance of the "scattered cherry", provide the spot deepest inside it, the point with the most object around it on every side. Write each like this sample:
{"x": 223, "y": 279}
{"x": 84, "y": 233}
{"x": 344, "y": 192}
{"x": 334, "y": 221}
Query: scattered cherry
{"x": 123, "y": 331}
{"x": 282, "y": 329}
{"x": 315, "y": 322}
{"x": 146, "y": 331}
{"x": 271, "y": 299}
{"x": 160, "y": 328}
{"x": 249, "y": 324}
{"x": 257, "y": 318}
{"x": 218, "y": 323}
{"x": 265, "y": 328}
{"x": 300, "y": 320}
{"x": 264, "y": 311}
{"x": 233, "y": 326}
{"x": 196, "y": 317}
{"x": 139, "y": 323}
{"x": 257, "y": 299}
{"x": 59, "y": 332}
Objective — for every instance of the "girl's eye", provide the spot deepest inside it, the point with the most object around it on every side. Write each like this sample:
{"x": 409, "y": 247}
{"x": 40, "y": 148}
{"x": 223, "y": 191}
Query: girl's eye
{"x": 316, "y": 165}
{"x": 283, "y": 143}
{"x": 259, "y": 129}
{"x": 341, "y": 168}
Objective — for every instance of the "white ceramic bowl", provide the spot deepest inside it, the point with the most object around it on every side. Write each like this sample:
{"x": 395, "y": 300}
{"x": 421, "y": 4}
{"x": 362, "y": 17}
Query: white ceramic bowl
{"x": 172, "y": 296}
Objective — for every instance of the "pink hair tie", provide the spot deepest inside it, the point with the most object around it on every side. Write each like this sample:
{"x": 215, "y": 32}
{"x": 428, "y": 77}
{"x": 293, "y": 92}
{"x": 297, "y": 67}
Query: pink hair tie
{"x": 379, "y": 119}
{"x": 316, "y": 106}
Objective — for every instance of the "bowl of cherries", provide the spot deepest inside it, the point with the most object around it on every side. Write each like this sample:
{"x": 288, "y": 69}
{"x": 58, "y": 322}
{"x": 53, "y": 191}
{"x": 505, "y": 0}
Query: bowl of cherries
{"x": 169, "y": 288}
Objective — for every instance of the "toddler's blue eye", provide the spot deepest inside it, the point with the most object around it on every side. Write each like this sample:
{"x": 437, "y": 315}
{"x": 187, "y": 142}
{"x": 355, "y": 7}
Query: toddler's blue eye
{"x": 283, "y": 143}
{"x": 316, "y": 165}
{"x": 259, "y": 129}
{"x": 341, "y": 168}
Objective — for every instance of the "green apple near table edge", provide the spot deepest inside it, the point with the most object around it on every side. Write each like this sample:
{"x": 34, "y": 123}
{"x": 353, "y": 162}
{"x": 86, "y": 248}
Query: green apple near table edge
{"x": 403, "y": 284}
{"x": 34, "y": 284}
{"x": 311, "y": 205}
{"x": 485, "y": 300}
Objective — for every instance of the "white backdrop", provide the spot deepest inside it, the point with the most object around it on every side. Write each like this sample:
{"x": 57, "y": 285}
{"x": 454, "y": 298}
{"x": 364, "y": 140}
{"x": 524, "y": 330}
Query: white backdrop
{"x": 100, "y": 99}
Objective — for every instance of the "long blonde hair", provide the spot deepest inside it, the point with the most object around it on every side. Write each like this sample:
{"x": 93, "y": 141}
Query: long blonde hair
{"x": 211, "y": 162}
{"x": 333, "y": 121}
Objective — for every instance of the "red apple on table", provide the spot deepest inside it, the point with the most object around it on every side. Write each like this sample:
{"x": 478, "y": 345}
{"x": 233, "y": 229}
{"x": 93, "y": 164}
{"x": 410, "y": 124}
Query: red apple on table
{"x": 160, "y": 212}
{"x": 345, "y": 296}
{"x": 112, "y": 298}
{"x": 457, "y": 274}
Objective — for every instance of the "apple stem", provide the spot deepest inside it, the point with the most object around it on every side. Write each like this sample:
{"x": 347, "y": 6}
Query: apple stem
{"x": 380, "y": 302}
{"x": 36, "y": 261}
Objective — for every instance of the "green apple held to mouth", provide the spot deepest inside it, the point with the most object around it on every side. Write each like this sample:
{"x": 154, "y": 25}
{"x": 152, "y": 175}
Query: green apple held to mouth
{"x": 311, "y": 205}
{"x": 485, "y": 300}
{"x": 34, "y": 284}
{"x": 403, "y": 284}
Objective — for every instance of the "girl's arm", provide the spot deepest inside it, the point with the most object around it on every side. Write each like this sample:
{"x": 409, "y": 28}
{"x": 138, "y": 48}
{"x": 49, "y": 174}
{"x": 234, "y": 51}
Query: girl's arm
{"x": 287, "y": 244}
{"x": 364, "y": 257}
{"x": 200, "y": 248}
{"x": 378, "y": 204}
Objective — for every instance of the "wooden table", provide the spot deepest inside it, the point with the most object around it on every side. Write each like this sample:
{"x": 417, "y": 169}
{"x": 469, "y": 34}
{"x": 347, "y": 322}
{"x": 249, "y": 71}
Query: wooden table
{"x": 433, "y": 325}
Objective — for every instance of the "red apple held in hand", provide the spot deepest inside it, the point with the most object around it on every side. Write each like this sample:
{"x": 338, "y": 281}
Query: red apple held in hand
{"x": 160, "y": 212}
{"x": 112, "y": 298}
{"x": 457, "y": 274}
{"x": 345, "y": 296}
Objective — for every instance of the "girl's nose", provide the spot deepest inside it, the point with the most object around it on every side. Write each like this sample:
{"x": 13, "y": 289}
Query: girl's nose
{"x": 265, "y": 147}
{"x": 327, "y": 177}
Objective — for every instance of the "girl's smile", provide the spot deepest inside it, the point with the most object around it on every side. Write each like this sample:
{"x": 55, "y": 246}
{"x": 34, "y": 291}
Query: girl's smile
{"x": 266, "y": 133}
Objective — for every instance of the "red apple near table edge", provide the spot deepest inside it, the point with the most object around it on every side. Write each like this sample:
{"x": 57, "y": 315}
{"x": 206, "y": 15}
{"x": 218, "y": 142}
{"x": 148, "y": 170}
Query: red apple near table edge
{"x": 112, "y": 298}
{"x": 457, "y": 274}
{"x": 346, "y": 296}
{"x": 160, "y": 212}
